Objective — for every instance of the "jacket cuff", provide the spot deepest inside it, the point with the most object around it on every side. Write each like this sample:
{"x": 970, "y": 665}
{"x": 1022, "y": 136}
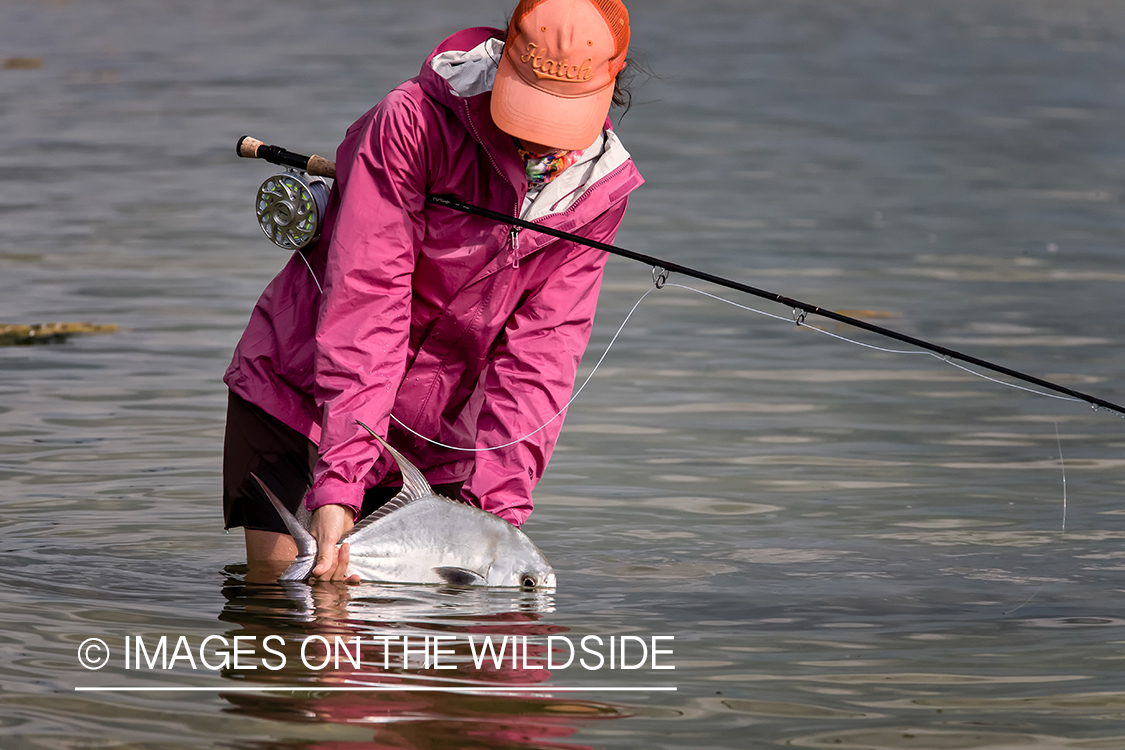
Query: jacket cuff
{"x": 336, "y": 492}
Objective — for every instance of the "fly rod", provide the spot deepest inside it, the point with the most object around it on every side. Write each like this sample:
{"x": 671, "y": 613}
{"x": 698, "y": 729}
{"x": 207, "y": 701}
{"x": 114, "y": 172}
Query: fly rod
{"x": 251, "y": 148}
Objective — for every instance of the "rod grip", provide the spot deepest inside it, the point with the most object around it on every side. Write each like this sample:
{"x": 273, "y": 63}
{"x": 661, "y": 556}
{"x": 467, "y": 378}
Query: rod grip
{"x": 248, "y": 147}
{"x": 321, "y": 167}
{"x": 252, "y": 148}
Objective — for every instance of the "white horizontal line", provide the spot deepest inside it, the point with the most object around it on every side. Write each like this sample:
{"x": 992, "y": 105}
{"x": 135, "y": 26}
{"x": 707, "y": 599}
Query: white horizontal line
{"x": 370, "y": 689}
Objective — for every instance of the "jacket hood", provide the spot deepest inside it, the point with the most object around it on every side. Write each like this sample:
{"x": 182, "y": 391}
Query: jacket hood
{"x": 471, "y": 104}
{"x": 454, "y": 49}
{"x": 466, "y": 72}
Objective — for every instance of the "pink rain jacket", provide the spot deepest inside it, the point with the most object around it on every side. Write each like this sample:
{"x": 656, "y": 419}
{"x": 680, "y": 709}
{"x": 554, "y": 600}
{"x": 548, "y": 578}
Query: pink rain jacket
{"x": 465, "y": 330}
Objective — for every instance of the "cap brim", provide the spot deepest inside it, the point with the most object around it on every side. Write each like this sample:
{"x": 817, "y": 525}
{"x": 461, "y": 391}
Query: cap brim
{"x": 534, "y": 115}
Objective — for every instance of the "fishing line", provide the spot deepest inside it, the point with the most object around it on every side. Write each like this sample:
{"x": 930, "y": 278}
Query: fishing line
{"x": 1062, "y": 465}
{"x": 311, "y": 273}
{"x": 660, "y": 282}
{"x": 1062, "y": 531}
{"x": 800, "y": 322}
{"x": 557, "y": 414}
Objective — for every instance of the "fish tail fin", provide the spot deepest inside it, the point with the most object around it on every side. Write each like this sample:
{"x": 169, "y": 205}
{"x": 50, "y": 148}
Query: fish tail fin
{"x": 414, "y": 484}
{"x": 306, "y": 544}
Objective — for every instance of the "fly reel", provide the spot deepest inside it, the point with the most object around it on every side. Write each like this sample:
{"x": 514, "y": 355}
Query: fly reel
{"x": 291, "y": 207}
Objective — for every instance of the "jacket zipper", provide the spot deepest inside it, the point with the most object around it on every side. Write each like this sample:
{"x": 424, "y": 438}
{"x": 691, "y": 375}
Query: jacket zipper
{"x": 514, "y": 235}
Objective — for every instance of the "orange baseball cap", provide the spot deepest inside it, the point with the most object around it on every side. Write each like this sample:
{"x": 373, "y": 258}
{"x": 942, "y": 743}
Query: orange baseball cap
{"x": 554, "y": 84}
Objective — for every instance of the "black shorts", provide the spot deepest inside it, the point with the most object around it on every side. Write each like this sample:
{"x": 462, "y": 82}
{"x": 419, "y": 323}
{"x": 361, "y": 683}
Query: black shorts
{"x": 284, "y": 459}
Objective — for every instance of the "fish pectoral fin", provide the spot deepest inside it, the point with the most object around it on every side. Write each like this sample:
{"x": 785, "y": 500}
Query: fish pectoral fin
{"x": 460, "y": 576}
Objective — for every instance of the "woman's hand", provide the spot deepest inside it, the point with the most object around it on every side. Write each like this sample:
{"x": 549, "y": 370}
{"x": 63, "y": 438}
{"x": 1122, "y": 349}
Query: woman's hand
{"x": 329, "y": 523}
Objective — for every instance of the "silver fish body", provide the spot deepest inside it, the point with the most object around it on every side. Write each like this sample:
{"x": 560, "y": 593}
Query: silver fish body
{"x": 422, "y": 537}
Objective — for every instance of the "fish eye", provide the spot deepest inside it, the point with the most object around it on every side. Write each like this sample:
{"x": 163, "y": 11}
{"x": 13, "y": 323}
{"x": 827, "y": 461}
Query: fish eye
{"x": 528, "y": 582}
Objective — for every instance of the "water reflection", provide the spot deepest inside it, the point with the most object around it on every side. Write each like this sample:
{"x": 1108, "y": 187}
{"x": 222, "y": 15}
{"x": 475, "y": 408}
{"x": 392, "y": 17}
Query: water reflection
{"x": 383, "y": 636}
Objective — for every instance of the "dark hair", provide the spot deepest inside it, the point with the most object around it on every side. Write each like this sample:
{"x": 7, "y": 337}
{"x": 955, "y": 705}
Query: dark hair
{"x": 625, "y": 81}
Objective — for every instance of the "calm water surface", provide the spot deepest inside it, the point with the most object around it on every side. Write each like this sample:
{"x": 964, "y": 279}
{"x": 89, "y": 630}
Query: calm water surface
{"x": 849, "y": 548}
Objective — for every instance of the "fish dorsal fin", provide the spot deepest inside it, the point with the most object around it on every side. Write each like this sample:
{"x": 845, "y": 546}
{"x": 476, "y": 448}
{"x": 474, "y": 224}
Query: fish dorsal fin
{"x": 397, "y": 502}
{"x": 414, "y": 485}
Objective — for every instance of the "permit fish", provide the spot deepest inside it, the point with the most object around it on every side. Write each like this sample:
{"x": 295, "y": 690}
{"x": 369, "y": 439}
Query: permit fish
{"x": 422, "y": 537}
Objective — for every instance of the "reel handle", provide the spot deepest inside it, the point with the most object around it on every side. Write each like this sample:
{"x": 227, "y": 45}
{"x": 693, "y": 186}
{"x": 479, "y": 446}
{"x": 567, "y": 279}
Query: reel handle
{"x": 252, "y": 148}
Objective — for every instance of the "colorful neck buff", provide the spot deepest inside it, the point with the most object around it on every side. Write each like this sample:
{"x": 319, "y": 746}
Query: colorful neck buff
{"x": 542, "y": 169}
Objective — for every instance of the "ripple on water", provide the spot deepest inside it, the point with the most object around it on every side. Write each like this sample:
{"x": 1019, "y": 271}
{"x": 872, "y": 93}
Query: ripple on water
{"x": 999, "y": 575}
{"x": 1106, "y": 706}
{"x": 1072, "y": 464}
{"x": 783, "y": 556}
{"x": 613, "y": 429}
{"x": 727, "y": 407}
{"x": 655, "y": 535}
{"x": 899, "y": 678}
{"x": 1074, "y": 622}
{"x": 576, "y": 501}
{"x": 899, "y": 738}
{"x": 946, "y": 523}
{"x": 783, "y": 709}
{"x": 813, "y": 460}
{"x": 826, "y": 485}
{"x": 984, "y": 537}
{"x": 672, "y": 570}
{"x": 684, "y": 478}
{"x": 712, "y": 506}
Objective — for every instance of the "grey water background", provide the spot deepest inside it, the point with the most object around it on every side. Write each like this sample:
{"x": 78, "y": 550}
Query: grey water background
{"x": 851, "y": 549}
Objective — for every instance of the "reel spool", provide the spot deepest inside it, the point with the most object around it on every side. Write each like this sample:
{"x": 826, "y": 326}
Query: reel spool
{"x": 291, "y": 207}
